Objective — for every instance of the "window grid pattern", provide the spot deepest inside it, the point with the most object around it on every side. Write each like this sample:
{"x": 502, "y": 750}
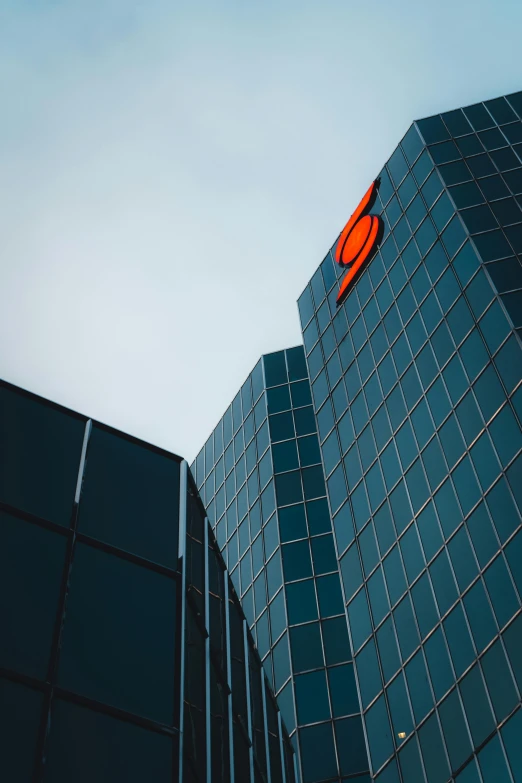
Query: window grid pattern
{"x": 97, "y": 633}
{"x": 416, "y": 388}
{"x": 301, "y": 629}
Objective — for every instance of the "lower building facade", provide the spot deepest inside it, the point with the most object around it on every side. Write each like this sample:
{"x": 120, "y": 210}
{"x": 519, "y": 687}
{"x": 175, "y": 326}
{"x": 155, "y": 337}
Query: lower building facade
{"x": 125, "y": 654}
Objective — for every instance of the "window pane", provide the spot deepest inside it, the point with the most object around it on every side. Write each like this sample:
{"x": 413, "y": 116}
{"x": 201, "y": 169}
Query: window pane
{"x": 118, "y": 639}
{"x": 40, "y": 448}
{"x": 20, "y": 709}
{"x": 476, "y": 705}
{"x": 29, "y": 591}
{"x": 130, "y": 497}
{"x": 120, "y": 750}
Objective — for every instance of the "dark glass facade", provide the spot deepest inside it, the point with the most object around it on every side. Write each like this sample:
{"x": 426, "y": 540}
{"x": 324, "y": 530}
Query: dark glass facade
{"x": 416, "y": 385}
{"x": 125, "y": 654}
{"x": 261, "y": 477}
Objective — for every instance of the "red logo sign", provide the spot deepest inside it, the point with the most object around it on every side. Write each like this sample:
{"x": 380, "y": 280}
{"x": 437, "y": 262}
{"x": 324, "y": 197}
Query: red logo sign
{"x": 358, "y": 238}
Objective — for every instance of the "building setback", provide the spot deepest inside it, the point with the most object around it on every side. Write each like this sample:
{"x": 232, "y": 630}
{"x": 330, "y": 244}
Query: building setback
{"x": 124, "y": 652}
{"x": 261, "y": 477}
{"x": 417, "y": 398}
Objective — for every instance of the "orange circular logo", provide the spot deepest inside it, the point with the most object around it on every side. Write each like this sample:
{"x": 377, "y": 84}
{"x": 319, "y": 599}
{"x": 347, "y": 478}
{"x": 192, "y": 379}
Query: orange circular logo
{"x": 358, "y": 238}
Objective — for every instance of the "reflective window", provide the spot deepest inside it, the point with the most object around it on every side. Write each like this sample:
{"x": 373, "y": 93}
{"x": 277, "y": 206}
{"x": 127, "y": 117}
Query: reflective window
{"x": 350, "y": 746}
{"x": 433, "y": 751}
{"x": 318, "y": 766}
{"x": 122, "y": 751}
{"x": 305, "y": 642}
{"x": 301, "y": 602}
{"x": 29, "y": 592}
{"x": 439, "y": 665}
{"x": 40, "y": 453}
{"x": 401, "y": 717}
{"x": 511, "y": 733}
{"x": 379, "y": 733}
{"x": 130, "y": 497}
{"x": 454, "y": 730}
{"x": 311, "y": 695}
{"x": 418, "y": 686}
{"x": 476, "y": 705}
{"x": 19, "y": 726}
{"x": 492, "y": 762}
{"x": 499, "y": 681}
{"x": 335, "y": 639}
{"x": 459, "y": 640}
{"x": 118, "y": 638}
{"x": 343, "y": 691}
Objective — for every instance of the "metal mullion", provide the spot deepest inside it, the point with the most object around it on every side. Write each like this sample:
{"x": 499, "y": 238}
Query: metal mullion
{"x": 229, "y": 678}
{"x": 281, "y": 746}
{"x": 207, "y": 653}
{"x": 81, "y": 469}
{"x": 248, "y": 699}
{"x": 183, "y": 488}
{"x": 265, "y": 723}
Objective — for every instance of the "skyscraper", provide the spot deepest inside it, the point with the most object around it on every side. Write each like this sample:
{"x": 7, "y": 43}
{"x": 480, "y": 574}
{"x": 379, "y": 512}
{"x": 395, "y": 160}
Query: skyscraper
{"x": 416, "y": 388}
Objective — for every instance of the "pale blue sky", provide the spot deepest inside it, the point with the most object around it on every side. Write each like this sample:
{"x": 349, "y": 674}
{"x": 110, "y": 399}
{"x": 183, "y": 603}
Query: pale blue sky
{"x": 173, "y": 173}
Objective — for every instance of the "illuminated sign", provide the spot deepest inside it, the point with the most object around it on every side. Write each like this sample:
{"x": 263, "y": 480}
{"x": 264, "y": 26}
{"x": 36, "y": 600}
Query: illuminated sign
{"x": 358, "y": 238}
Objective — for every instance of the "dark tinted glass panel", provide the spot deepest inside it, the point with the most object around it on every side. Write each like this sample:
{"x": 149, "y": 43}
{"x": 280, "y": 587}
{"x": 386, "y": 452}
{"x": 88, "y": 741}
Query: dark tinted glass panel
{"x": 296, "y": 561}
{"x": 454, "y": 730}
{"x": 312, "y": 697}
{"x": 335, "y": 639}
{"x": 439, "y": 664}
{"x": 31, "y": 573}
{"x": 275, "y": 368}
{"x": 119, "y": 635}
{"x": 40, "y": 455}
{"x": 433, "y": 751}
{"x": 476, "y": 705}
{"x": 351, "y": 747}
{"x": 433, "y": 129}
{"x": 301, "y": 602}
{"x": 292, "y": 522}
{"x": 459, "y": 640}
{"x": 130, "y": 497}
{"x": 499, "y": 681}
{"x": 19, "y": 724}
{"x": 418, "y": 685}
{"x": 85, "y": 745}
{"x": 296, "y": 364}
{"x": 343, "y": 691}
{"x": 318, "y": 766}
{"x": 511, "y": 733}
{"x": 305, "y": 641}
{"x": 379, "y": 733}
{"x": 492, "y": 762}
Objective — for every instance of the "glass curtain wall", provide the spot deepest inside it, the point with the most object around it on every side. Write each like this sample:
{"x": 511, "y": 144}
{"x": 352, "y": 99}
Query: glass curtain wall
{"x": 261, "y": 476}
{"x": 417, "y": 395}
{"x": 115, "y": 609}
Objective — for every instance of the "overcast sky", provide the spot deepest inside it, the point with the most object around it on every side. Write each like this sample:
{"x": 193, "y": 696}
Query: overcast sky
{"x": 171, "y": 175}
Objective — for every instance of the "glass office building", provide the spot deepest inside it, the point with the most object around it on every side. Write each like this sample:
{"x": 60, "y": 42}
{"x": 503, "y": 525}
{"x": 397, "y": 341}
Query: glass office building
{"x": 124, "y": 651}
{"x": 417, "y": 397}
{"x": 261, "y": 478}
